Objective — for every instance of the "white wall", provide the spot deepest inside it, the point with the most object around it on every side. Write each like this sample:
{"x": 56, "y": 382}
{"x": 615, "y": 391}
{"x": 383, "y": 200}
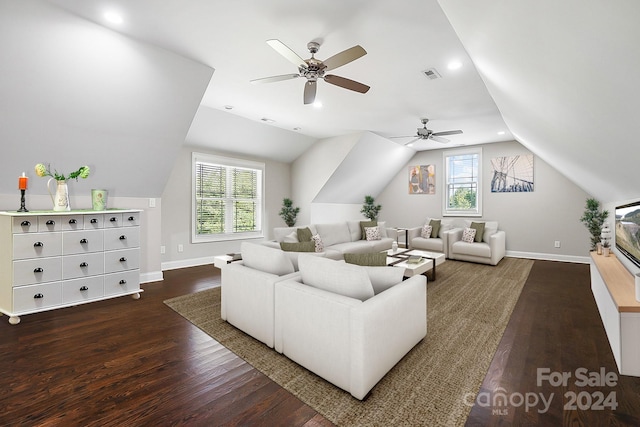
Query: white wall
{"x": 532, "y": 221}
{"x": 176, "y": 210}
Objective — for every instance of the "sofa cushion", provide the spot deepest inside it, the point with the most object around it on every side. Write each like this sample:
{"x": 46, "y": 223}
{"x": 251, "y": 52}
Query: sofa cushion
{"x": 490, "y": 228}
{"x": 354, "y": 230}
{"x": 333, "y": 233}
{"x": 367, "y": 258}
{"x": 372, "y": 233}
{"x": 266, "y": 259}
{"x": 298, "y": 246}
{"x": 435, "y": 227}
{"x": 335, "y": 276}
{"x": 481, "y": 249}
{"x": 291, "y": 237}
{"x": 383, "y": 229}
{"x": 382, "y": 278}
{"x": 479, "y": 227}
{"x": 364, "y": 224}
{"x": 304, "y": 234}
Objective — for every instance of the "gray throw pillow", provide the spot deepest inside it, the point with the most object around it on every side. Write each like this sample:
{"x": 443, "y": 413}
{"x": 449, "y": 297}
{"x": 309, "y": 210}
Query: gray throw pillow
{"x": 479, "y": 227}
{"x": 373, "y": 259}
{"x": 435, "y": 227}
{"x": 304, "y": 234}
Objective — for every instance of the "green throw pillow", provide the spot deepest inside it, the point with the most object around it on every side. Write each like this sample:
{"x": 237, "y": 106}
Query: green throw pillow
{"x": 435, "y": 227}
{"x": 371, "y": 259}
{"x": 304, "y": 234}
{"x": 479, "y": 227}
{"x": 298, "y": 246}
{"x": 363, "y": 224}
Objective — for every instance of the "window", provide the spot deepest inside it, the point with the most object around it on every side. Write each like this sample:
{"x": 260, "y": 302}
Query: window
{"x": 227, "y": 198}
{"x": 462, "y": 195}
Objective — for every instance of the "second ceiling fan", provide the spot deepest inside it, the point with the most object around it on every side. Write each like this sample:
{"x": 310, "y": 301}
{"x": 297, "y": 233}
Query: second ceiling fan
{"x": 314, "y": 69}
{"x": 424, "y": 133}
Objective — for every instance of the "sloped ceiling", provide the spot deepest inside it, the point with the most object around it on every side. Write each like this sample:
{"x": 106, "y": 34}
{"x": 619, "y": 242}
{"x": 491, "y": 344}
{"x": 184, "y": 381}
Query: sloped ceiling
{"x": 564, "y": 75}
{"x": 74, "y": 93}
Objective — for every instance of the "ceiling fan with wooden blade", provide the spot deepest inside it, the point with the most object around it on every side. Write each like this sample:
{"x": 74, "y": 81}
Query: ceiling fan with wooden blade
{"x": 313, "y": 69}
{"x": 424, "y": 133}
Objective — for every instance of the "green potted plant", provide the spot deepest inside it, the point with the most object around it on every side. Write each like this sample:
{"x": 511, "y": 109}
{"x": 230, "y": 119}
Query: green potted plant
{"x": 593, "y": 218}
{"x": 370, "y": 209}
{"x": 288, "y": 213}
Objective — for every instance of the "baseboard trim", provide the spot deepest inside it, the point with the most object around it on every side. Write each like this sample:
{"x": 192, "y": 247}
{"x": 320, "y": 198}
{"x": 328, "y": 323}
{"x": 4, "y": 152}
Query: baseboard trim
{"x": 184, "y": 263}
{"x": 154, "y": 276}
{"x": 549, "y": 257}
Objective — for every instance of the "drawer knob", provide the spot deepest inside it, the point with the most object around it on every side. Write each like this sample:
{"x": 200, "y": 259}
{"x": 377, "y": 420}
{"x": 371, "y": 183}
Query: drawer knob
{"x": 84, "y": 288}
{"x": 123, "y": 282}
{"x": 38, "y": 270}
{"x": 123, "y": 259}
{"x": 93, "y": 221}
{"x": 73, "y": 221}
{"x": 51, "y": 222}
{"x": 37, "y": 296}
{"x": 131, "y": 218}
{"x": 25, "y": 223}
{"x": 123, "y": 237}
{"x": 84, "y": 264}
{"x": 84, "y": 241}
{"x": 38, "y": 244}
{"x": 113, "y": 219}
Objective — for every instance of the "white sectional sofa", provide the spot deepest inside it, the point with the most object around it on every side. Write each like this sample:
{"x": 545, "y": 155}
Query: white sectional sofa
{"x": 346, "y": 323}
{"x": 340, "y": 237}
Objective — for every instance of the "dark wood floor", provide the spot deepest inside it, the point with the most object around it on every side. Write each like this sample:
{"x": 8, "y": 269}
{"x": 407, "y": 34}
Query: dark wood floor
{"x": 136, "y": 363}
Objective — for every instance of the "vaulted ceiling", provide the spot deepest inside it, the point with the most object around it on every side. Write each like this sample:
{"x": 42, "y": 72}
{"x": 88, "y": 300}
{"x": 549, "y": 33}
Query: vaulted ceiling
{"x": 559, "y": 77}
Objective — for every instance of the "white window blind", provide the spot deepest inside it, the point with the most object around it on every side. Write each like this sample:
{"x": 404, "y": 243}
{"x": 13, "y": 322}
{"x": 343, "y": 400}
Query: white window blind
{"x": 227, "y": 198}
{"x": 462, "y": 195}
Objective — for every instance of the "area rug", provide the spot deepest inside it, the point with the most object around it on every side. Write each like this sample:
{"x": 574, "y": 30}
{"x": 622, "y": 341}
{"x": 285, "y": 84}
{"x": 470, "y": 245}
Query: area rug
{"x": 468, "y": 308}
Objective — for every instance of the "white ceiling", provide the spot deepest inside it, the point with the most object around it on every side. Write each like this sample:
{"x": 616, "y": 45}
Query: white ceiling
{"x": 402, "y": 39}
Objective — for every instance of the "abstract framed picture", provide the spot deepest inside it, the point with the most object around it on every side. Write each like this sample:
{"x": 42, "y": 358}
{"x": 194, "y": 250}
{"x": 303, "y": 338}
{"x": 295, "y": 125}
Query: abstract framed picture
{"x": 512, "y": 174}
{"x": 422, "y": 179}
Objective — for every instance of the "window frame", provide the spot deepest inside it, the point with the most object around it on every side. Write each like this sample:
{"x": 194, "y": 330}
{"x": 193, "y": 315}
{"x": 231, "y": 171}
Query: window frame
{"x": 228, "y": 163}
{"x": 477, "y": 212}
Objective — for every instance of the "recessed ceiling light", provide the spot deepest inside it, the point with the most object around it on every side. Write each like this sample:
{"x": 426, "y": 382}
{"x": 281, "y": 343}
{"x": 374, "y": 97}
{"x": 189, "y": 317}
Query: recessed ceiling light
{"x": 113, "y": 17}
{"x": 501, "y": 132}
{"x": 264, "y": 119}
{"x": 297, "y": 128}
{"x": 454, "y": 65}
{"x": 228, "y": 107}
{"x": 317, "y": 104}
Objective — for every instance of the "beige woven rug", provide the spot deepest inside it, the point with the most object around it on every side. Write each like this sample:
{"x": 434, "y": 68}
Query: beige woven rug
{"x": 468, "y": 308}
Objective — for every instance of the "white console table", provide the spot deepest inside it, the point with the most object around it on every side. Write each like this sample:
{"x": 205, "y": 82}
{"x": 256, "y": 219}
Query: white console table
{"x": 51, "y": 260}
{"x": 613, "y": 288}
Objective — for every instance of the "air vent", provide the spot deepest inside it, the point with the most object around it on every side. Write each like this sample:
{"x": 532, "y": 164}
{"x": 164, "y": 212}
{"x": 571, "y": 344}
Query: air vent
{"x": 432, "y": 74}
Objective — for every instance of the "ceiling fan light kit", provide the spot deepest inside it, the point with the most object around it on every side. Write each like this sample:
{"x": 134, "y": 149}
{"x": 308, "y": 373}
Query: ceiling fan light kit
{"x": 313, "y": 69}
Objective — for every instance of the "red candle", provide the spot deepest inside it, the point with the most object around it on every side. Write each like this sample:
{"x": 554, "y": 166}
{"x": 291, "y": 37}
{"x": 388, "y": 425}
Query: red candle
{"x": 22, "y": 182}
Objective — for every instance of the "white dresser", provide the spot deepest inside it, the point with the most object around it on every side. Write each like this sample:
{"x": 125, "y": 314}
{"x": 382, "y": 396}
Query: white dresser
{"x": 51, "y": 260}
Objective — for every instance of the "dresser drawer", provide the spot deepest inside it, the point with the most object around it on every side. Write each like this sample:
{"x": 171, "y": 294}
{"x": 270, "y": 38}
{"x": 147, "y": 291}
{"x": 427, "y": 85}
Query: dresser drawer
{"x": 82, "y": 265}
{"x": 131, "y": 219}
{"x": 84, "y": 289}
{"x": 121, "y": 238}
{"x": 36, "y": 297}
{"x": 126, "y": 259}
{"x": 93, "y": 221}
{"x": 50, "y": 223}
{"x": 118, "y": 283}
{"x": 38, "y": 270}
{"x": 72, "y": 222}
{"x": 83, "y": 241}
{"x": 35, "y": 245}
{"x": 112, "y": 220}
{"x": 25, "y": 224}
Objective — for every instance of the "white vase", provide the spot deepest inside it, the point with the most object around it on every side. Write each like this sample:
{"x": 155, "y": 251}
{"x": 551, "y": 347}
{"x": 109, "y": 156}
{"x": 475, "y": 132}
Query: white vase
{"x": 605, "y": 251}
{"x": 61, "y": 198}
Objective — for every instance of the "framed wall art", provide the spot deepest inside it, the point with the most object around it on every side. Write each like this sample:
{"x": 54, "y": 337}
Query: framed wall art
{"x": 422, "y": 179}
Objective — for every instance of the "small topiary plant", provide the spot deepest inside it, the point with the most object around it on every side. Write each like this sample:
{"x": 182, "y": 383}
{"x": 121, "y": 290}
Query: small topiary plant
{"x": 370, "y": 209}
{"x": 288, "y": 213}
{"x": 593, "y": 218}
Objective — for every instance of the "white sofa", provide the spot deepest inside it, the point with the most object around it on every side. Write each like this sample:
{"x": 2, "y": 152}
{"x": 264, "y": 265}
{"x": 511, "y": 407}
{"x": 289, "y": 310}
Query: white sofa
{"x": 349, "y": 324}
{"x": 439, "y": 243}
{"x": 490, "y": 250}
{"x": 248, "y": 289}
{"x": 339, "y": 238}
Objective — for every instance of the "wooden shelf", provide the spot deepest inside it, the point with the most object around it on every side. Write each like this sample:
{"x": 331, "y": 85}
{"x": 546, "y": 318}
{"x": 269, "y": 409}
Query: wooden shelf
{"x": 620, "y": 282}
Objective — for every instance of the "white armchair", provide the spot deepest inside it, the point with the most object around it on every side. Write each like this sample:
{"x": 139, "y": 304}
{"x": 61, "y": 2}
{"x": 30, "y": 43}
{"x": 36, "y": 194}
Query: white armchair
{"x": 435, "y": 243}
{"x": 490, "y": 250}
{"x": 347, "y": 341}
{"x": 247, "y": 300}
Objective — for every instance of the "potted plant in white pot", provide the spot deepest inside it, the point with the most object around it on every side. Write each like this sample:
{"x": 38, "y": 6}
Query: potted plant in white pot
{"x": 288, "y": 213}
{"x": 593, "y": 218}
{"x": 370, "y": 209}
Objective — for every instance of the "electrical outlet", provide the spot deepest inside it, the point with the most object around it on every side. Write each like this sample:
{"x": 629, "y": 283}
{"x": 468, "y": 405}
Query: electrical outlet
{"x": 180, "y": 248}
{"x": 556, "y": 244}
{"x": 152, "y": 202}
{"x": 163, "y": 249}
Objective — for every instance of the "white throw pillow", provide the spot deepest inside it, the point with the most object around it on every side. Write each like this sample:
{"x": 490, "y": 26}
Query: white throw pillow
{"x": 266, "y": 259}
{"x": 373, "y": 233}
{"x": 469, "y": 235}
{"x": 335, "y": 276}
{"x": 426, "y": 231}
{"x": 318, "y": 242}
